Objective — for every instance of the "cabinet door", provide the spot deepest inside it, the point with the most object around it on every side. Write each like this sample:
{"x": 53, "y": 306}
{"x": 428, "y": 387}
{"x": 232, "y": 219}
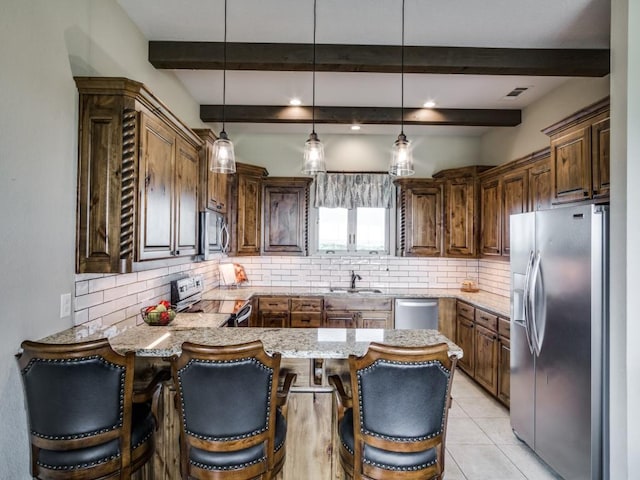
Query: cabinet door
{"x": 514, "y": 196}
{"x": 285, "y": 220}
{"x": 310, "y": 436}
{"x": 540, "y": 185}
{"x": 249, "y": 203}
{"x": 338, "y": 319}
{"x": 372, "y": 319}
{"x": 465, "y": 340}
{"x": 600, "y": 157}
{"x": 424, "y": 221}
{"x": 504, "y": 370}
{"x": 460, "y": 201}
{"x": 486, "y": 359}
{"x": 571, "y": 165}
{"x": 157, "y": 163}
{"x": 490, "y": 217}
{"x": 274, "y": 319}
{"x": 186, "y": 219}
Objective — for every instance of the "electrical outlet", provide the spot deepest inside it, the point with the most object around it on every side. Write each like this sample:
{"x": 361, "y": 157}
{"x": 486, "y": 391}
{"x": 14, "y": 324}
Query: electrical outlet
{"x": 65, "y": 305}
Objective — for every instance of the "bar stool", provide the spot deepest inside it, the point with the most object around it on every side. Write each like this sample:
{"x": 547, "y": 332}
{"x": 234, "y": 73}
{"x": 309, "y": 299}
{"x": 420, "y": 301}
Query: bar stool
{"x": 233, "y": 419}
{"x": 85, "y": 420}
{"x": 394, "y": 425}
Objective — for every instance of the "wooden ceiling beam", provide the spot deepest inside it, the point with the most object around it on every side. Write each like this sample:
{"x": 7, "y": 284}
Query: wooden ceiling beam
{"x": 361, "y": 115}
{"x": 381, "y": 59}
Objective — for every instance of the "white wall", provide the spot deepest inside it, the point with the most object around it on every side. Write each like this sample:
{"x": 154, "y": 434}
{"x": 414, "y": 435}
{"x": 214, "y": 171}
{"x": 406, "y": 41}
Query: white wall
{"x": 44, "y": 44}
{"x": 282, "y": 154}
{"x": 501, "y": 145}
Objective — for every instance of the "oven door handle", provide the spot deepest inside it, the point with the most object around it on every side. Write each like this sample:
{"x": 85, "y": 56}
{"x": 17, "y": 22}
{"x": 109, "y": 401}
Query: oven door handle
{"x": 224, "y": 232}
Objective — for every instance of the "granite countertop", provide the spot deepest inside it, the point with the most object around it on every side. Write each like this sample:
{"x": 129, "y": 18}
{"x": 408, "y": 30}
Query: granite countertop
{"x": 148, "y": 341}
{"x": 484, "y": 300}
{"x": 290, "y": 342}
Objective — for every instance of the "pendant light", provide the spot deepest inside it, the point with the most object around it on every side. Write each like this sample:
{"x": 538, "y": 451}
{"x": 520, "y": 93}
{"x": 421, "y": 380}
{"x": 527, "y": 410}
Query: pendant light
{"x": 401, "y": 158}
{"x": 223, "y": 159}
{"x": 313, "y": 148}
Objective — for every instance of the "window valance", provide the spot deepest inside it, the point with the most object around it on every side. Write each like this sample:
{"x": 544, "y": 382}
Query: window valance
{"x": 352, "y": 190}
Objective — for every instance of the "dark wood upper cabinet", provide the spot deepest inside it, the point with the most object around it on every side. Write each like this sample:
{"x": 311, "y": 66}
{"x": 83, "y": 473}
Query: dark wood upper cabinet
{"x": 600, "y": 131}
{"x": 514, "y": 200}
{"x": 157, "y": 190}
{"x": 491, "y": 217}
{"x": 213, "y": 186}
{"x": 186, "y": 209}
{"x": 245, "y": 207}
{"x": 137, "y": 179}
{"x": 285, "y": 216}
{"x": 419, "y": 217}
{"x": 461, "y": 210}
{"x": 540, "y": 184}
{"x": 580, "y": 155}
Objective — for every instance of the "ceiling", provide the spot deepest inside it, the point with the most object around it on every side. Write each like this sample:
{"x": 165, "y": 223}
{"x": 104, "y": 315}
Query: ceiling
{"x": 503, "y": 29}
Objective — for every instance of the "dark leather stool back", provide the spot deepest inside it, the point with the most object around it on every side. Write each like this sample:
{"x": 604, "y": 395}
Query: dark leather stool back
{"x": 80, "y": 408}
{"x": 228, "y": 401}
{"x": 397, "y": 424}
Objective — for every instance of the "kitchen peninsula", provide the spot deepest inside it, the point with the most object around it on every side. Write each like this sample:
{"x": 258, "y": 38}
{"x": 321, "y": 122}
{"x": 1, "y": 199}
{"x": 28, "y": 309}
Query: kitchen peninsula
{"x": 313, "y": 354}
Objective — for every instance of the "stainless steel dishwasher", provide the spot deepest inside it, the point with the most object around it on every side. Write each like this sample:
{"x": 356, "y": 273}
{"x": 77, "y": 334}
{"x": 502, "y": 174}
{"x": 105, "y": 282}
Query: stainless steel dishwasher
{"x": 416, "y": 313}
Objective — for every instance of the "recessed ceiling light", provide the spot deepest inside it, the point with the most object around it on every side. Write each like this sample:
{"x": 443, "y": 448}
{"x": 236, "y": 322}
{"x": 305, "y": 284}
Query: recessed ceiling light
{"x": 355, "y": 127}
{"x": 296, "y": 102}
{"x": 429, "y": 104}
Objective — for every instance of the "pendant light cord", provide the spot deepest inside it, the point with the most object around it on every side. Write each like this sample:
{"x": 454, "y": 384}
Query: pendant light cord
{"x": 313, "y": 94}
{"x": 402, "y": 76}
{"x": 224, "y": 68}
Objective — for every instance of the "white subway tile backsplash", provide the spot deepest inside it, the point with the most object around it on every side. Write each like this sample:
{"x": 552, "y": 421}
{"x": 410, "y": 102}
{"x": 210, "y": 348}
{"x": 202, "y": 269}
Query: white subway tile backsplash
{"x": 82, "y": 287}
{"x": 126, "y": 279}
{"x": 105, "y": 300}
{"x": 102, "y": 283}
{"x": 89, "y": 300}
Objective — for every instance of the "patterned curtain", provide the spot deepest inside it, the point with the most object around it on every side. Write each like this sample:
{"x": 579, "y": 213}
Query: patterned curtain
{"x": 352, "y": 190}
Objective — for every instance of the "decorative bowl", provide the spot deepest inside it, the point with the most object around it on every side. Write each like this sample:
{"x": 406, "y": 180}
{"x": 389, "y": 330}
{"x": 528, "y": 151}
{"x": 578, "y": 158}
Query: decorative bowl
{"x": 160, "y": 317}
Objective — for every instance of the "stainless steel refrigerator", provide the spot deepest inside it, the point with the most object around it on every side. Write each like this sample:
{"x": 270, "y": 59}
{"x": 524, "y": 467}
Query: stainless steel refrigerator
{"x": 559, "y": 312}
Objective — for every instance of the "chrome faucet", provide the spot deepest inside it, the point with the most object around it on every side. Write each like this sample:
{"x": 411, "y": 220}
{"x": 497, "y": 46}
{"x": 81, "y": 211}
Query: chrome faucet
{"x": 354, "y": 277}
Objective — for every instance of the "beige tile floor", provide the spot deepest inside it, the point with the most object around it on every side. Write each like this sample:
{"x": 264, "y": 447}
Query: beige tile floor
{"x": 480, "y": 443}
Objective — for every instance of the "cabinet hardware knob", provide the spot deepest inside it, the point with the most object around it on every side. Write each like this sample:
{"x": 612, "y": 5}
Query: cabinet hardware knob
{"x": 585, "y": 194}
{"x": 177, "y": 252}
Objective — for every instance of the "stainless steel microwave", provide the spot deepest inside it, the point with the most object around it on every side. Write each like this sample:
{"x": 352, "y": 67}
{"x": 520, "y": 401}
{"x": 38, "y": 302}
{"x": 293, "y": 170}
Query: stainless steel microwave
{"x": 214, "y": 234}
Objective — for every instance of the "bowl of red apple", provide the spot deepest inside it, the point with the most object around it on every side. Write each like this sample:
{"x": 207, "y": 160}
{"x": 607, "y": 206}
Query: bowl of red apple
{"x": 159, "y": 315}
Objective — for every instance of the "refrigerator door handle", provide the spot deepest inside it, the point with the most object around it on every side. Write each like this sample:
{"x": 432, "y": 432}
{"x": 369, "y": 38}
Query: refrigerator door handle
{"x": 535, "y": 340}
{"x": 527, "y": 309}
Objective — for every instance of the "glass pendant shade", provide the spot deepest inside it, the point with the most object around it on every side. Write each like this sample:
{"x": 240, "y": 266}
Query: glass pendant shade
{"x": 223, "y": 159}
{"x": 313, "y": 156}
{"x": 401, "y": 158}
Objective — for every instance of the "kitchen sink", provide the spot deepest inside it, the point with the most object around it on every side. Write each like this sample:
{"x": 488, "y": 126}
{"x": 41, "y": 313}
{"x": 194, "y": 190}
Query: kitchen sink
{"x": 354, "y": 290}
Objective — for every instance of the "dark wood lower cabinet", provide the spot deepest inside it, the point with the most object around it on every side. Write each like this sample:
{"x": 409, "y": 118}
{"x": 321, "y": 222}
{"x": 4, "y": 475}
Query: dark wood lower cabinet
{"x": 274, "y": 319}
{"x": 465, "y": 340}
{"x": 504, "y": 370}
{"x": 484, "y": 339}
{"x": 340, "y": 319}
{"x": 486, "y": 359}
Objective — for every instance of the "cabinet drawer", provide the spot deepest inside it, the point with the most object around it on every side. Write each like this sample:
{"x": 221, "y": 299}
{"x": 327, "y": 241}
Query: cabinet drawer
{"x": 273, "y": 304}
{"x": 357, "y": 303}
{"x": 306, "y": 304}
{"x": 487, "y": 320}
{"x": 465, "y": 310}
{"x": 504, "y": 327}
{"x": 308, "y": 320}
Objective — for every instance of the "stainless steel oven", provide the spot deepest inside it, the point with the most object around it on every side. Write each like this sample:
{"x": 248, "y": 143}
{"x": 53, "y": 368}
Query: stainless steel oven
{"x": 214, "y": 234}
